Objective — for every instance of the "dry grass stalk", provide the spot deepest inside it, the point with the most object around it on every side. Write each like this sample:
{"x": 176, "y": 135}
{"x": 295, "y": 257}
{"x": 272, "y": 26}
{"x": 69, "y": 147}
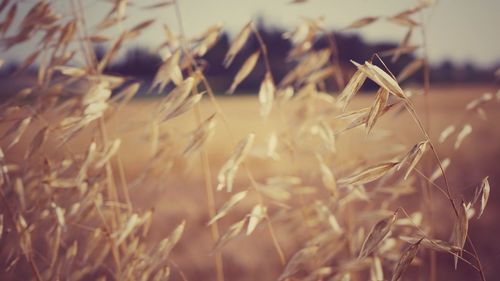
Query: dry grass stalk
{"x": 50, "y": 197}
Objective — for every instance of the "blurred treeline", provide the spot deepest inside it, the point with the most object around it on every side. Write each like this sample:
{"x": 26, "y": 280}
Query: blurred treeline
{"x": 142, "y": 63}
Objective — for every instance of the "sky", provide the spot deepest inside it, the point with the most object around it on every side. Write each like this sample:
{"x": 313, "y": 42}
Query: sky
{"x": 458, "y": 30}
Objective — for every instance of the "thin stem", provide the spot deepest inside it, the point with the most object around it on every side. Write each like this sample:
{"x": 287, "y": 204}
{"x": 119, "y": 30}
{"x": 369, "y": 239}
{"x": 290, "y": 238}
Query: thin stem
{"x": 263, "y": 48}
{"x": 275, "y": 240}
{"x": 83, "y": 38}
{"x": 338, "y": 74}
{"x": 204, "y": 156}
{"x": 114, "y": 248}
{"x": 433, "y": 269}
{"x": 124, "y": 183}
{"x": 431, "y": 182}
{"x": 414, "y": 115}
{"x": 181, "y": 273}
{"x": 276, "y": 244}
{"x": 34, "y": 268}
{"x": 209, "y": 191}
{"x": 476, "y": 256}
{"x": 110, "y": 183}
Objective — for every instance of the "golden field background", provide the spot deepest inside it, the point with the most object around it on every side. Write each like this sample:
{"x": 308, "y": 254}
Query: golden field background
{"x": 115, "y": 134}
{"x": 180, "y": 193}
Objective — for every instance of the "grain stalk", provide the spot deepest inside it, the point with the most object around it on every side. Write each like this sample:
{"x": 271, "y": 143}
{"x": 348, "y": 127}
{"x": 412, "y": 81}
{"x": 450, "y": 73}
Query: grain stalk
{"x": 219, "y": 265}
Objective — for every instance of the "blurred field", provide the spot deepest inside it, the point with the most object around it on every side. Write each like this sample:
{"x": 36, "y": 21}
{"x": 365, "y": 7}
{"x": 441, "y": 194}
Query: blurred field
{"x": 181, "y": 194}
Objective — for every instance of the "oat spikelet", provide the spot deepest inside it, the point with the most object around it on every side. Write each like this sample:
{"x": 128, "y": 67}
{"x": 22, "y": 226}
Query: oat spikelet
{"x": 97, "y": 39}
{"x": 297, "y": 260}
{"x": 362, "y": 22}
{"x": 377, "y": 108}
{"x": 112, "y": 52}
{"x": 247, "y": 67}
{"x": 208, "y": 40}
{"x": 168, "y": 71}
{"x": 479, "y": 101}
{"x": 412, "y": 157}
{"x": 237, "y": 44}
{"x": 446, "y": 133}
{"x": 70, "y": 71}
{"x": 136, "y": 30}
{"x": 384, "y": 80}
{"x": 172, "y": 41}
{"x": 68, "y": 33}
{"x": 432, "y": 244}
{"x": 397, "y": 52}
{"x": 377, "y": 235}
{"x": 201, "y": 135}
{"x": 175, "y": 103}
{"x": 327, "y": 176}
{"x": 235, "y": 199}
{"x": 109, "y": 153}
{"x": 231, "y": 233}
{"x": 437, "y": 172}
{"x": 466, "y": 130}
{"x": 376, "y": 270}
{"x": 228, "y": 171}
{"x": 158, "y": 5}
{"x": 125, "y": 95}
{"x": 482, "y": 191}
{"x": 28, "y": 62}
{"x": 17, "y": 130}
{"x": 168, "y": 244}
{"x": 256, "y": 216}
{"x": 37, "y": 142}
{"x": 351, "y": 88}
{"x": 411, "y": 69}
{"x": 368, "y": 175}
{"x": 4, "y": 26}
{"x": 266, "y": 95}
{"x": 405, "y": 260}
{"x": 403, "y": 21}
{"x": 186, "y": 105}
{"x": 459, "y": 236}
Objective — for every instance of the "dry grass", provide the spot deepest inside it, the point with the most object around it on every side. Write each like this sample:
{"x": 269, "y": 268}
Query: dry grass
{"x": 299, "y": 184}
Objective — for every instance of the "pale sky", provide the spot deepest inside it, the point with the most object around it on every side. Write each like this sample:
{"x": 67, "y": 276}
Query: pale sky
{"x": 459, "y": 30}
